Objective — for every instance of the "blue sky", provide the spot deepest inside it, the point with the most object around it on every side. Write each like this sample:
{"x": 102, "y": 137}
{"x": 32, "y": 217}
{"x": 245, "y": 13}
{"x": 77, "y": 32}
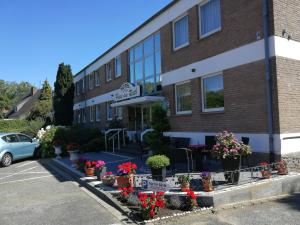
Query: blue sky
{"x": 37, "y": 35}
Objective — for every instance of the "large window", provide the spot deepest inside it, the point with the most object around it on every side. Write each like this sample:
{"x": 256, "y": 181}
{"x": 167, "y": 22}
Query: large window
{"x": 108, "y": 72}
{"x": 82, "y": 84}
{"x": 98, "y": 113}
{"x": 119, "y": 113}
{"x": 78, "y": 88}
{"x": 210, "y": 17}
{"x": 97, "y": 78}
{"x": 92, "y": 113}
{"x": 91, "y": 81}
{"x": 83, "y": 112}
{"x": 213, "y": 93}
{"x": 118, "y": 66}
{"x": 145, "y": 64}
{"x": 183, "y": 98}
{"x": 180, "y": 32}
{"x": 109, "y": 111}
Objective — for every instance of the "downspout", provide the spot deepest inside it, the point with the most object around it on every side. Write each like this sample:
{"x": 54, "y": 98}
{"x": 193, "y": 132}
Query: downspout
{"x": 268, "y": 79}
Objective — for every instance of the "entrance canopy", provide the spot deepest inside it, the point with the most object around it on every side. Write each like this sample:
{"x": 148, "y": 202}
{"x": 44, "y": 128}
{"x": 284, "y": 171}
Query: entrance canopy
{"x": 138, "y": 101}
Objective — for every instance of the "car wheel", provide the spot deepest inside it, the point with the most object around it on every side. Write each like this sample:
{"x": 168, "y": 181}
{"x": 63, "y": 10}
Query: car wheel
{"x": 6, "y": 160}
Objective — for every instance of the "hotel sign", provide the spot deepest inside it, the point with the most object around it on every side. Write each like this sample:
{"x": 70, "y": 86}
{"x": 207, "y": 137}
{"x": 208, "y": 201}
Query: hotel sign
{"x": 126, "y": 91}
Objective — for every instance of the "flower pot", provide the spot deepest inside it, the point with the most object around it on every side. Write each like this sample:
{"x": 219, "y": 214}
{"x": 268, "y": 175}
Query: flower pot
{"x": 58, "y": 151}
{"x": 231, "y": 165}
{"x": 108, "y": 182}
{"x": 266, "y": 174}
{"x": 185, "y": 186}
{"x": 159, "y": 174}
{"x": 282, "y": 170}
{"x": 207, "y": 184}
{"x": 125, "y": 181}
{"x": 90, "y": 171}
{"x": 74, "y": 157}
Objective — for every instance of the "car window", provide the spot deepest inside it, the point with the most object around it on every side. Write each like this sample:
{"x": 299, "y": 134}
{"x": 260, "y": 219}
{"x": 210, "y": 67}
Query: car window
{"x": 12, "y": 138}
{"x": 24, "y": 138}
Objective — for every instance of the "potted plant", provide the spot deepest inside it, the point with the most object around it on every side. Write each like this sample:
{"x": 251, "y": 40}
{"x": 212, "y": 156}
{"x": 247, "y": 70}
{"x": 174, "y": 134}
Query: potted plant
{"x": 100, "y": 169}
{"x": 190, "y": 201}
{"x": 73, "y": 149}
{"x": 125, "y": 174}
{"x": 108, "y": 179}
{"x": 90, "y": 168}
{"x": 150, "y": 204}
{"x": 207, "y": 181}
{"x": 184, "y": 181}
{"x": 282, "y": 167}
{"x": 230, "y": 150}
{"x": 158, "y": 164}
{"x": 57, "y": 144}
{"x": 265, "y": 170}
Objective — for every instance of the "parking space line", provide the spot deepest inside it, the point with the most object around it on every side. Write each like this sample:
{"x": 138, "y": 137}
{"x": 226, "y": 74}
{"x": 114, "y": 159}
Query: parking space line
{"x": 18, "y": 172}
{"x": 25, "y": 164}
{"x": 33, "y": 178}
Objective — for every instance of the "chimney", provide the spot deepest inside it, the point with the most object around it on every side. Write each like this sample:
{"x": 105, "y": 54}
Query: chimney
{"x": 33, "y": 91}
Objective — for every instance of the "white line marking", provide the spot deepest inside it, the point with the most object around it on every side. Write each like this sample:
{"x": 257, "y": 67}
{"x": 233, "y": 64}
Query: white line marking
{"x": 18, "y": 172}
{"x": 25, "y": 164}
{"x": 33, "y": 178}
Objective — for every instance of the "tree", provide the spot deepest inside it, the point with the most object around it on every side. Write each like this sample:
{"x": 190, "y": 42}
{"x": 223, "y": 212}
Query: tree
{"x": 63, "y": 95}
{"x": 43, "y": 108}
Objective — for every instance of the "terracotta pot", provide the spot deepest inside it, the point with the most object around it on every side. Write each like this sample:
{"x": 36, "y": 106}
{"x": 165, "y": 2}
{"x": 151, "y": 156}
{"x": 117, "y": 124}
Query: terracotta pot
{"x": 125, "y": 181}
{"x": 266, "y": 174}
{"x": 207, "y": 185}
{"x": 90, "y": 172}
{"x": 185, "y": 186}
{"x": 108, "y": 182}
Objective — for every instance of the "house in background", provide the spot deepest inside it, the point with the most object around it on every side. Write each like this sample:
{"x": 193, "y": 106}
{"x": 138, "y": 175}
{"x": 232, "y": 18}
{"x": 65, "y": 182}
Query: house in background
{"x": 215, "y": 64}
{"x": 22, "y": 109}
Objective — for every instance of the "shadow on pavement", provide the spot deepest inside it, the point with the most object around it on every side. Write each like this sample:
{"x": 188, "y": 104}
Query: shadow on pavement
{"x": 293, "y": 200}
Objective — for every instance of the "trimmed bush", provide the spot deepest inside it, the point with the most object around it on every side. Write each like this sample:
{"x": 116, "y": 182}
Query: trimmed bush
{"x": 21, "y": 126}
{"x": 158, "y": 161}
{"x": 93, "y": 145}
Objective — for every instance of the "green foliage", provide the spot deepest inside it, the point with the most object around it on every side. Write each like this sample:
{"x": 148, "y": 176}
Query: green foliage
{"x": 215, "y": 99}
{"x": 158, "y": 161}
{"x": 115, "y": 124}
{"x": 93, "y": 145}
{"x": 13, "y": 125}
{"x": 160, "y": 122}
{"x": 63, "y": 95}
{"x": 46, "y": 149}
{"x": 33, "y": 127}
{"x": 46, "y": 93}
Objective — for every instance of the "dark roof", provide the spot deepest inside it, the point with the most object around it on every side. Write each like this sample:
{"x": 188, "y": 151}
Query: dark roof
{"x": 131, "y": 33}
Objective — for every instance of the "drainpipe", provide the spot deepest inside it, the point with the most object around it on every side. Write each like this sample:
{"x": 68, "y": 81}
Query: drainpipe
{"x": 268, "y": 78}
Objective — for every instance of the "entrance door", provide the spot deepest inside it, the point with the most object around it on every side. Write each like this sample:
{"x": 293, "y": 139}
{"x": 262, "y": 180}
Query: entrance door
{"x": 139, "y": 117}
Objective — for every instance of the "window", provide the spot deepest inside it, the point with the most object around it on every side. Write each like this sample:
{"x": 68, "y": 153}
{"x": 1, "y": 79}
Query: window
{"x": 98, "y": 115}
{"x": 118, "y": 66}
{"x": 79, "y": 116}
{"x": 145, "y": 64}
{"x": 180, "y": 32}
{"x": 212, "y": 93}
{"x": 108, "y": 72}
{"x": 109, "y": 111}
{"x": 183, "y": 98}
{"x": 83, "y": 115}
{"x": 91, "y": 81}
{"x": 12, "y": 138}
{"x": 97, "y": 78}
{"x": 119, "y": 113}
{"x": 24, "y": 138}
{"x": 78, "y": 88}
{"x": 92, "y": 113}
{"x": 210, "y": 17}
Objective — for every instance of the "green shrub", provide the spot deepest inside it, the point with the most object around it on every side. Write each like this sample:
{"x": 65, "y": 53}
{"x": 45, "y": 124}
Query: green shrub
{"x": 158, "y": 161}
{"x": 93, "y": 145}
{"x": 46, "y": 149}
{"x": 33, "y": 127}
{"x": 13, "y": 125}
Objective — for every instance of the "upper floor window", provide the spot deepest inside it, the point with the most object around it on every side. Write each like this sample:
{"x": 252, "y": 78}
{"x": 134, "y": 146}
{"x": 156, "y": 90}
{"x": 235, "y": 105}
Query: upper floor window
{"x": 97, "y": 78}
{"x": 108, "y": 72}
{"x": 82, "y": 82}
{"x": 212, "y": 93}
{"x": 210, "y": 17}
{"x": 118, "y": 66}
{"x": 77, "y": 85}
{"x": 145, "y": 64}
{"x": 183, "y": 95}
{"x": 91, "y": 81}
{"x": 98, "y": 115}
{"x": 180, "y": 32}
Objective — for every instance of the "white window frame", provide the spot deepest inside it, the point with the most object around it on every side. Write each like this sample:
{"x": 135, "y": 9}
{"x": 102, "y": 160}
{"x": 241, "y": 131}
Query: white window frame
{"x": 220, "y": 109}
{"x": 173, "y": 32}
{"x": 182, "y": 112}
{"x": 97, "y": 81}
{"x": 98, "y": 107}
{"x": 107, "y": 112}
{"x": 106, "y": 72}
{"x": 199, "y": 15}
{"x": 118, "y": 57}
{"x": 116, "y": 112}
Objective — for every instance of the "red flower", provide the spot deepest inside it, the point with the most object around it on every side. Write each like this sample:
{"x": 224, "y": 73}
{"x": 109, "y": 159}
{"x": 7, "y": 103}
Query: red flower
{"x": 144, "y": 205}
{"x": 151, "y": 214}
{"x": 160, "y": 194}
{"x": 88, "y": 164}
{"x": 125, "y": 194}
{"x": 152, "y": 206}
{"x": 152, "y": 196}
{"x": 130, "y": 189}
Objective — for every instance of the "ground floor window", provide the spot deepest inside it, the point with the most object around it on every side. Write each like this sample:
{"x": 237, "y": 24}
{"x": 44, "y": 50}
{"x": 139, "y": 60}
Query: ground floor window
{"x": 119, "y": 113}
{"x": 213, "y": 93}
{"x": 83, "y": 115}
{"x": 92, "y": 113}
{"x": 78, "y": 116}
{"x": 183, "y": 98}
{"x": 109, "y": 111}
{"x": 98, "y": 113}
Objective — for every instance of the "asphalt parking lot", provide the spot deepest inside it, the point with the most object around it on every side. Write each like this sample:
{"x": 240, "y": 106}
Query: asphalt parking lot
{"x": 34, "y": 193}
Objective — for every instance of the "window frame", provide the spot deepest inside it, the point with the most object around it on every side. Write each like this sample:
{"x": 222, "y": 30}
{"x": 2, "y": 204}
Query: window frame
{"x": 83, "y": 115}
{"x": 98, "y": 107}
{"x": 201, "y": 36}
{"x": 97, "y": 74}
{"x": 108, "y": 65}
{"x": 118, "y": 74}
{"x": 219, "y": 109}
{"x": 92, "y": 114}
{"x": 107, "y": 113}
{"x": 116, "y": 112}
{"x": 29, "y": 139}
{"x": 187, "y": 112}
{"x": 91, "y": 79}
{"x": 173, "y": 31}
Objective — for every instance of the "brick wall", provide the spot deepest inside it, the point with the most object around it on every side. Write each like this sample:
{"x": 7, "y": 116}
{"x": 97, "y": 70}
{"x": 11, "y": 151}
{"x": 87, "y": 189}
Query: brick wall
{"x": 240, "y": 19}
{"x": 245, "y": 103}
